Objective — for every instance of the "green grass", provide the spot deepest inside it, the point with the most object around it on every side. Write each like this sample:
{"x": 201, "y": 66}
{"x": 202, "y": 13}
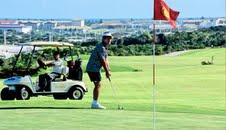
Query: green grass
{"x": 189, "y": 96}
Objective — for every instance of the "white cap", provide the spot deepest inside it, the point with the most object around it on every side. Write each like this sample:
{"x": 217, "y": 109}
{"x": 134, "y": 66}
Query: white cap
{"x": 107, "y": 34}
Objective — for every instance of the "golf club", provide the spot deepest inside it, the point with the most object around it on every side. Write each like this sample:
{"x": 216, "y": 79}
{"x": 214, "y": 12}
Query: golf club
{"x": 115, "y": 96}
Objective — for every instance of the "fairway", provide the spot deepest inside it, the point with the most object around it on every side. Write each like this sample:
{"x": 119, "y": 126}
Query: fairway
{"x": 189, "y": 96}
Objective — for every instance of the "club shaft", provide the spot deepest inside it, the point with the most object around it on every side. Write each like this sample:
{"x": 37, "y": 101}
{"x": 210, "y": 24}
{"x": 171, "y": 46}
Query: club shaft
{"x": 114, "y": 93}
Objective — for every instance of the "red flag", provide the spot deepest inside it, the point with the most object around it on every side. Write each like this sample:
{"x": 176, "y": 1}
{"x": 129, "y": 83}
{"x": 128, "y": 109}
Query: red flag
{"x": 163, "y": 12}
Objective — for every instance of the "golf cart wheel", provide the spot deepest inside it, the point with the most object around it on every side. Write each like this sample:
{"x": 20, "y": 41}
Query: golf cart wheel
{"x": 60, "y": 96}
{"x": 76, "y": 93}
{"x": 23, "y": 94}
{"x": 6, "y": 94}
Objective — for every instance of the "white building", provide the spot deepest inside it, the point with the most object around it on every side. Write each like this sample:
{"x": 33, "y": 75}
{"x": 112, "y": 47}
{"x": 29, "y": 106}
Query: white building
{"x": 14, "y": 25}
{"x": 71, "y": 24}
{"x": 221, "y": 22}
{"x": 207, "y": 24}
{"x": 34, "y": 24}
{"x": 49, "y": 25}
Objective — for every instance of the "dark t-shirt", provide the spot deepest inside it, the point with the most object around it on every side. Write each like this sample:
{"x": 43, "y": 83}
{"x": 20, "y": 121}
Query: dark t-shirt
{"x": 98, "y": 54}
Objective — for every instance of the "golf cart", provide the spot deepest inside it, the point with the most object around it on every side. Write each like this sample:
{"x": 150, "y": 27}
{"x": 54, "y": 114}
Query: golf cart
{"x": 22, "y": 87}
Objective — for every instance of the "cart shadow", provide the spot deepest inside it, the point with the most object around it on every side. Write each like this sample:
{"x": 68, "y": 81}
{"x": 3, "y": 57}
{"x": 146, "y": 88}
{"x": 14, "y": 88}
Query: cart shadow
{"x": 24, "y": 108}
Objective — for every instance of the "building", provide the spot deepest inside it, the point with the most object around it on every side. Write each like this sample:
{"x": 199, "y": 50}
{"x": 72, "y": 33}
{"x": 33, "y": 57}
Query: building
{"x": 17, "y": 27}
{"x": 196, "y": 22}
{"x": 70, "y": 24}
{"x": 49, "y": 25}
{"x": 139, "y": 23}
{"x": 207, "y": 24}
{"x": 109, "y": 24}
{"x": 221, "y": 22}
{"x": 35, "y": 25}
{"x": 8, "y": 22}
{"x": 14, "y": 25}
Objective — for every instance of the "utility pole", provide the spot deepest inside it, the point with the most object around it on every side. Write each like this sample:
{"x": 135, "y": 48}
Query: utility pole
{"x": 50, "y": 37}
{"x": 5, "y": 33}
{"x": 30, "y": 37}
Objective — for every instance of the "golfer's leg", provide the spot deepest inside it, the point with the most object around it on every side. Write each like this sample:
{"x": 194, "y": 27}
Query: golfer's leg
{"x": 96, "y": 90}
{"x": 96, "y": 94}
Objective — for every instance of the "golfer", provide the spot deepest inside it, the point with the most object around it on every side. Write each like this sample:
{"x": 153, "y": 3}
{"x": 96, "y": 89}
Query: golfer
{"x": 97, "y": 60}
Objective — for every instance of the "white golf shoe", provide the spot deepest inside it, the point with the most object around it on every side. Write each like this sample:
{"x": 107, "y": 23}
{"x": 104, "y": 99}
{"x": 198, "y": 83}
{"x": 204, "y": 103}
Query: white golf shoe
{"x": 97, "y": 106}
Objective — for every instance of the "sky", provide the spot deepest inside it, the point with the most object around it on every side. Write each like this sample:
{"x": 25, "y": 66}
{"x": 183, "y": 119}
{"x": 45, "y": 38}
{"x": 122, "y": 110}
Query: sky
{"x": 106, "y": 9}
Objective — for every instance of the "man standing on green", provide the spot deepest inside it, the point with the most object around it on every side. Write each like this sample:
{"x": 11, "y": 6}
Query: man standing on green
{"x": 97, "y": 60}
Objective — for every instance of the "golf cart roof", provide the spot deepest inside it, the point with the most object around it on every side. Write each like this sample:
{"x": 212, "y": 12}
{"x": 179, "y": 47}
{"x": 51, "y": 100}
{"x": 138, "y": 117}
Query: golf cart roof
{"x": 45, "y": 44}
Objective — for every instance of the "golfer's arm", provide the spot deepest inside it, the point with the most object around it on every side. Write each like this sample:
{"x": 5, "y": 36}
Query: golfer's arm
{"x": 105, "y": 65}
{"x": 108, "y": 66}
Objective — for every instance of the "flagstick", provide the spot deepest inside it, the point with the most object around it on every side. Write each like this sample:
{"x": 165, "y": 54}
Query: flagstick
{"x": 153, "y": 90}
{"x": 225, "y": 70}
